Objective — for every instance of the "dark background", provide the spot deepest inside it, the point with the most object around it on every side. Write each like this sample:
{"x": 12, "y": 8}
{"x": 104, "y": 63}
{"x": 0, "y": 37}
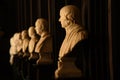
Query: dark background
{"x": 7, "y": 28}
{"x": 15, "y": 16}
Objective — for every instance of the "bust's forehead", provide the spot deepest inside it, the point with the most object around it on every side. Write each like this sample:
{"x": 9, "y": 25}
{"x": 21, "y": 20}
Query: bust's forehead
{"x": 41, "y": 20}
{"x": 31, "y": 29}
{"x": 64, "y": 10}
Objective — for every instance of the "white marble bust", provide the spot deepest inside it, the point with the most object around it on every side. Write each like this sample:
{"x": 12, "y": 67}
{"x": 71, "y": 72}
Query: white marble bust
{"x": 70, "y": 21}
{"x": 15, "y": 46}
{"x": 44, "y": 45}
{"x": 32, "y": 43}
{"x": 25, "y": 43}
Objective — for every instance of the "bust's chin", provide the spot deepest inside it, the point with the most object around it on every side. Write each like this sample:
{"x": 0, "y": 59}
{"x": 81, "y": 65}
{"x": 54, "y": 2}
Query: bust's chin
{"x": 62, "y": 26}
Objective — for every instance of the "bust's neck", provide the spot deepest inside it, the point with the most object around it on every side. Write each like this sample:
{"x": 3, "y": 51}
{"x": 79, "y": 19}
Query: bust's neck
{"x": 69, "y": 28}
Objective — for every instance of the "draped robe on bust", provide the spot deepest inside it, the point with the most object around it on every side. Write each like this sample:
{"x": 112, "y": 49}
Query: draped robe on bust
{"x": 73, "y": 36}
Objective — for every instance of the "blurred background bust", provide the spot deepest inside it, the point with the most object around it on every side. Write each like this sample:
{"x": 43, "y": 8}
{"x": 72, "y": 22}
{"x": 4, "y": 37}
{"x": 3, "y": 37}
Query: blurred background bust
{"x": 44, "y": 45}
{"x": 32, "y": 43}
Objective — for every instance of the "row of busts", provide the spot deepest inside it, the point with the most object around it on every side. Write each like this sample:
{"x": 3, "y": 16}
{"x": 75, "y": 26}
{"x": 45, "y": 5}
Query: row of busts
{"x": 34, "y": 44}
{"x": 40, "y": 48}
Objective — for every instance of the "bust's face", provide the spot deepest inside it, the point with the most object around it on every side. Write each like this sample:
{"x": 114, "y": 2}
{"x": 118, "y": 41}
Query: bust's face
{"x": 17, "y": 36}
{"x": 37, "y": 27}
{"x": 31, "y": 31}
{"x": 24, "y": 34}
{"x": 62, "y": 19}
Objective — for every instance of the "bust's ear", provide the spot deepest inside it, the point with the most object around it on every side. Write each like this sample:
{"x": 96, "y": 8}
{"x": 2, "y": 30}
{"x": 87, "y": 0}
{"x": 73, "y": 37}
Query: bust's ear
{"x": 69, "y": 17}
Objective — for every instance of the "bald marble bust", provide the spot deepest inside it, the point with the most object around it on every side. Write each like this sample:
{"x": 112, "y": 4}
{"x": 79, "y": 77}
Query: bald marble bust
{"x": 44, "y": 45}
{"x": 70, "y": 21}
{"x": 32, "y": 43}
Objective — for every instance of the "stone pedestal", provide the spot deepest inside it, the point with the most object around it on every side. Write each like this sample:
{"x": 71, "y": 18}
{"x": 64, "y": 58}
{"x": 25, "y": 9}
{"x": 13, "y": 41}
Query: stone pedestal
{"x": 67, "y": 69}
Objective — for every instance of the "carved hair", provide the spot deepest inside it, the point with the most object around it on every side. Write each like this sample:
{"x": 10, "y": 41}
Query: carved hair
{"x": 71, "y": 12}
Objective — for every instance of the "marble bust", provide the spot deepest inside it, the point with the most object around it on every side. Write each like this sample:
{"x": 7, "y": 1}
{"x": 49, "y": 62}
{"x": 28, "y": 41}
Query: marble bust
{"x": 44, "y": 45}
{"x": 75, "y": 33}
{"x": 32, "y": 43}
{"x": 25, "y": 43}
{"x": 15, "y": 46}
